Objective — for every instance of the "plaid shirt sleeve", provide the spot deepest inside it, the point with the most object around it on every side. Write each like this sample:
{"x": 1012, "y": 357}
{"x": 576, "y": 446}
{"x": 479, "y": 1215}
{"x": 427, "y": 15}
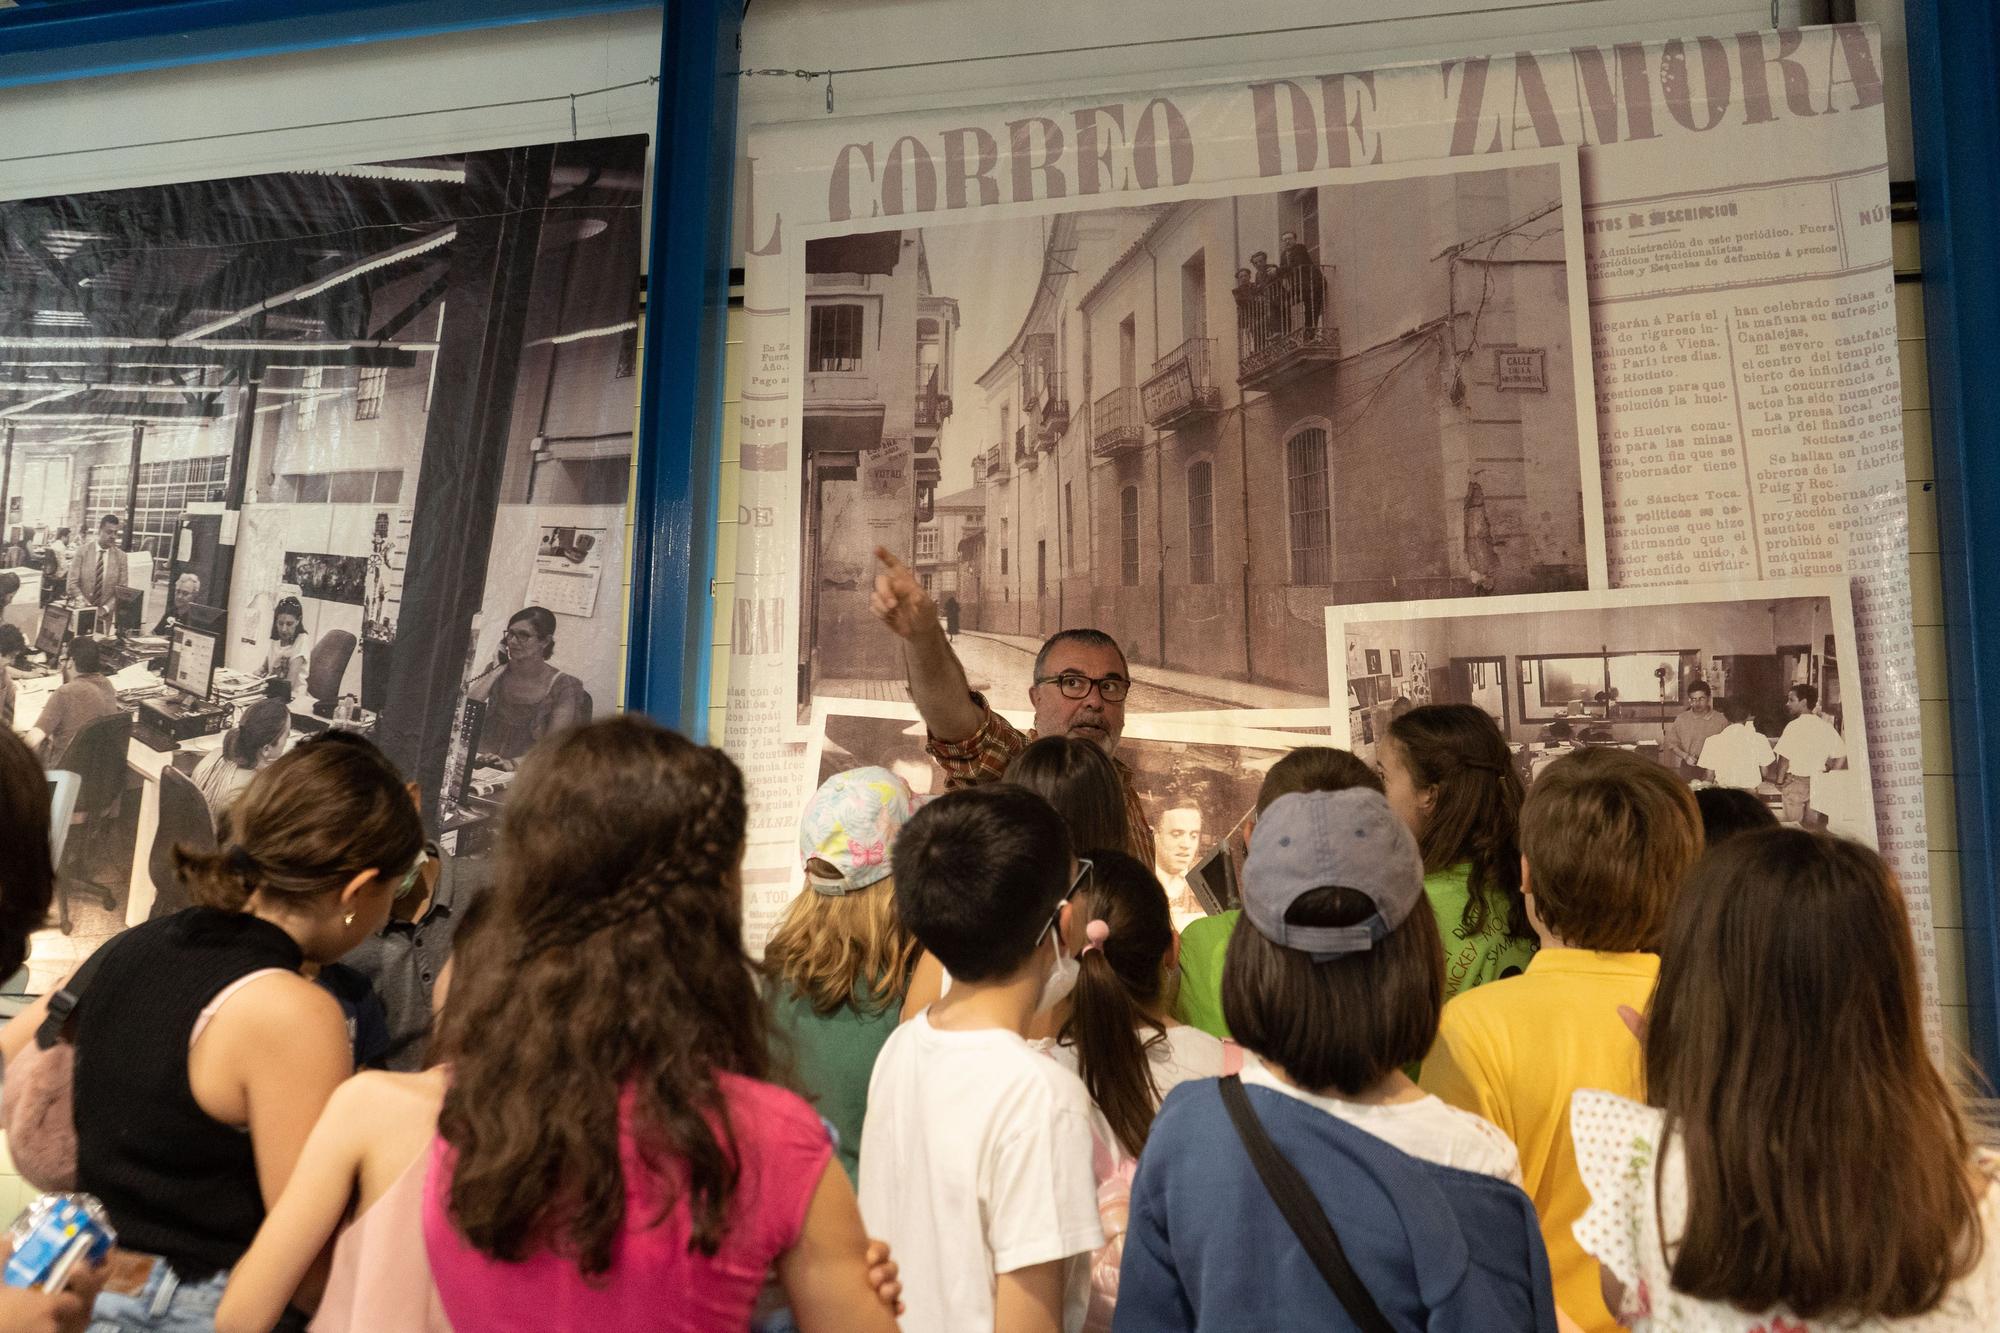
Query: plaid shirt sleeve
{"x": 980, "y": 757}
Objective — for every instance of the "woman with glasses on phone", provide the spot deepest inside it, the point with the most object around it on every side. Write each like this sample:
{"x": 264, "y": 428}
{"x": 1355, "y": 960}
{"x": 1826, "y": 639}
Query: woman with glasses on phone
{"x": 526, "y": 697}
{"x": 204, "y": 1052}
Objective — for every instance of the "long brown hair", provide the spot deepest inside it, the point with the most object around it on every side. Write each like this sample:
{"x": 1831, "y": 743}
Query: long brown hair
{"x": 1457, "y": 749}
{"x": 1827, "y": 1159}
{"x": 1119, "y": 984}
{"x": 1081, "y": 782}
{"x": 29, "y": 881}
{"x": 612, "y": 964}
{"x": 306, "y": 825}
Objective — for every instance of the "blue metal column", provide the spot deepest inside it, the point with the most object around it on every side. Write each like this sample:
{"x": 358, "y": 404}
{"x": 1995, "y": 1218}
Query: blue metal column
{"x": 687, "y": 293}
{"x": 1955, "y": 104}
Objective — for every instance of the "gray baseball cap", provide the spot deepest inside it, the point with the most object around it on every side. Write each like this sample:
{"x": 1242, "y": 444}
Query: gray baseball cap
{"x": 1322, "y": 839}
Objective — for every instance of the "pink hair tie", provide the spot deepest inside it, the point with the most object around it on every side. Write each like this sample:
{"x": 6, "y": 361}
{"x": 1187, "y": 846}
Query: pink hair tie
{"x": 1096, "y": 932}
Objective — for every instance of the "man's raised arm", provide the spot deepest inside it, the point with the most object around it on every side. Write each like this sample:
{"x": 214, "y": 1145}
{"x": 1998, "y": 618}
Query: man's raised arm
{"x": 937, "y": 682}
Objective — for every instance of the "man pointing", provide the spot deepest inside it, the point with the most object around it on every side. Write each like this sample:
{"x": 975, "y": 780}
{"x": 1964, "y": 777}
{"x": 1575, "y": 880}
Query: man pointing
{"x": 1079, "y": 689}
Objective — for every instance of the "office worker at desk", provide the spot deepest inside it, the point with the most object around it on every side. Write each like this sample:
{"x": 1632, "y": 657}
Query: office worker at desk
{"x": 526, "y": 698}
{"x": 84, "y": 696}
{"x": 252, "y": 744}
{"x": 290, "y": 649}
{"x": 100, "y": 568}
{"x": 187, "y": 593}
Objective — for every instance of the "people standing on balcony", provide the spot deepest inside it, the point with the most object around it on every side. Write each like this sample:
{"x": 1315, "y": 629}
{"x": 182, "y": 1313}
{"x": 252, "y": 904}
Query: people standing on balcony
{"x": 1245, "y": 293}
{"x": 1305, "y": 285}
{"x": 1080, "y": 682}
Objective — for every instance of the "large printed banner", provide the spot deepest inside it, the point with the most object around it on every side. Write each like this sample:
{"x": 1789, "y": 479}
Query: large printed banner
{"x": 1279, "y": 382}
{"x": 346, "y": 445}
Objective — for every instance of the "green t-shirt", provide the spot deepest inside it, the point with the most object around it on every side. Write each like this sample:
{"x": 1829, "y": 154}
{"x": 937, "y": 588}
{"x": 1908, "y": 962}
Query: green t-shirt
{"x": 1198, "y": 1003}
{"x": 829, "y": 1058}
{"x": 1488, "y": 956}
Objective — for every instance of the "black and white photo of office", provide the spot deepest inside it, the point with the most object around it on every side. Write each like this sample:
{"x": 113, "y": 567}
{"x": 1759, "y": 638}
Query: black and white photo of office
{"x": 275, "y": 453}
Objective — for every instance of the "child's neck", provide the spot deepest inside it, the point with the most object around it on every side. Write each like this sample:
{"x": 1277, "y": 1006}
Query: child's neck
{"x": 1392, "y": 1089}
{"x": 1007, "y": 1004}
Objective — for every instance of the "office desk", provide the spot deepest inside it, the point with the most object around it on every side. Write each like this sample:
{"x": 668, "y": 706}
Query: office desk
{"x": 140, "y": 759}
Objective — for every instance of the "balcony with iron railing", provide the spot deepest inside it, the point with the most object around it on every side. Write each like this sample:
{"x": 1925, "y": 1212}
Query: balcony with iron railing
{"x": 932, "y": 406}
{"x": 992, "y": 461}
{"x": 1284, "y": 326}
{"x": 1115, "y": 423}
{"x": 1024, "y": 447}
{"x": 1048, "y": 408}
{"x": 1182, "y": 388}
{"x": 932, "y": 409}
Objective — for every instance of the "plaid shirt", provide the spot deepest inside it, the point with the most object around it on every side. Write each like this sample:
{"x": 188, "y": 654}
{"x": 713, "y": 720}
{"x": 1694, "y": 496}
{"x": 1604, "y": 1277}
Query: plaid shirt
{"x": 984, "y": 756}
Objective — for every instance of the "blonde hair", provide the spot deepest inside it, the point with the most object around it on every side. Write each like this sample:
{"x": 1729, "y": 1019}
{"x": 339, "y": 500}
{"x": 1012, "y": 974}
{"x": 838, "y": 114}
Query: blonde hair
{"x": 829, "y": 947}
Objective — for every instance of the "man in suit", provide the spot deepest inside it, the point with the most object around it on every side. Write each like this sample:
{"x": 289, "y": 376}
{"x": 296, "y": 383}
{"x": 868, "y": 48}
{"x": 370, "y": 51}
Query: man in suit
{"x": 100, "y": 568}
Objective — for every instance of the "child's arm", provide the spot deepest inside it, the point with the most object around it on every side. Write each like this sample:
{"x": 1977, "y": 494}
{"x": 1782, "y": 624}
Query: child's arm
{"x": 299, "y": 1225}
{"x": 1030, "y": 1300}
{"x": 1150, "y": 1295}
{"x": 826, "y": 1273}
{"x": 926, "y": 983}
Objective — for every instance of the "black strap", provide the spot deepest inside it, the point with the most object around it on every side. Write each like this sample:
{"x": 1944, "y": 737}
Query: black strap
{"x": 1308, "y": 1221}
{"x": 62, "y": 1005}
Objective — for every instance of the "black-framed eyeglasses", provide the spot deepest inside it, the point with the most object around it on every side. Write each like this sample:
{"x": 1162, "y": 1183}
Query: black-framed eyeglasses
{"x": 1084, "y": 865}
{"x": 1076, "y": 685}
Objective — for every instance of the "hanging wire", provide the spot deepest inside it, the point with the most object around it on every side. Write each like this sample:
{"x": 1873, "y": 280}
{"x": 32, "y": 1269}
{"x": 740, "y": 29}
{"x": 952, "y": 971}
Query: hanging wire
{"x": 571, "y": 98}
{"x": 1331, "y": 26}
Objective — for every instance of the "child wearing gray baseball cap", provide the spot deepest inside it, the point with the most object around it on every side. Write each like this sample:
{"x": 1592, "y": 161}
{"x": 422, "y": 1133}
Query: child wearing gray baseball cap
{"x": 1336, "y": 986}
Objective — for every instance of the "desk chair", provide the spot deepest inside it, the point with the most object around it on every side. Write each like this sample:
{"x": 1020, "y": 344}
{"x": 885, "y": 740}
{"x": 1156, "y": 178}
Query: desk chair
{"x": 97, "y": 757}
{"x": 184, "y": 818}
{"x": 326, "y": 668}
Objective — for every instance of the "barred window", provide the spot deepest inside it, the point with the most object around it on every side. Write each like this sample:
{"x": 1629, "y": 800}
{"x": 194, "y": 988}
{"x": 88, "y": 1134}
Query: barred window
{"x": 1308, "y": 507}
{"x": 1201, "y": 523}
{"x": 1128, "y": 536}
{"x": 835, "y": 338}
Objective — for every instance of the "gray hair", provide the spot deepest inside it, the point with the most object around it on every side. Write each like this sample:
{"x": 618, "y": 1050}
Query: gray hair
{"x": 1089, "y": 638}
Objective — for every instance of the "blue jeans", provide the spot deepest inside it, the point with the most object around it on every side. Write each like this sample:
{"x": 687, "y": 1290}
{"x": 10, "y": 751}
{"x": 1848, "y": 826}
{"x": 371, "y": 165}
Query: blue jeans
{"x": 168, "y": 1305}
{"x": 164, "y": 1305}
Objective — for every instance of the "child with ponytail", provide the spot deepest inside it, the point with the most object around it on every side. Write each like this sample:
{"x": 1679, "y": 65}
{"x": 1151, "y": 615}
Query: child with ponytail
{"x": 1450, "y": 778}
{"x": 1117, "y": 1030}
{"x": 1118, "y": 1033}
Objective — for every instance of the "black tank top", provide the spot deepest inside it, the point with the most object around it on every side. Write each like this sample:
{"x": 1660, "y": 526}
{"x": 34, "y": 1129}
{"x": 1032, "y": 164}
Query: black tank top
{"x": 175, "y": 1182}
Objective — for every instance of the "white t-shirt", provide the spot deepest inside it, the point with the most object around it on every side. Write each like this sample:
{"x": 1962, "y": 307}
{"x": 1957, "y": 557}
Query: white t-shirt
{"x": 1617, "y": 1146}
{"x": 1426, "y": 1128}
{"x": 1808, "y": 742}
{"x": 1187, "y": 1053}
{"x": 975, "y": 1161}
{"x": 1737, "y": 755}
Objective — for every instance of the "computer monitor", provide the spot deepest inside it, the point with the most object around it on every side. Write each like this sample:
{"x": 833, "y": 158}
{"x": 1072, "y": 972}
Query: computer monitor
{"x": 54, "y": 632}
{"x": 473, "y": 723}
{"x": 205, "y": 618}
{"x": 128, "y": 609}
{"x": 191, "y": 661}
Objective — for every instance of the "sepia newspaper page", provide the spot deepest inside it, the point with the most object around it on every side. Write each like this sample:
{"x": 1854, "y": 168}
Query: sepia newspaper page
{"x": 1742, "y": 341}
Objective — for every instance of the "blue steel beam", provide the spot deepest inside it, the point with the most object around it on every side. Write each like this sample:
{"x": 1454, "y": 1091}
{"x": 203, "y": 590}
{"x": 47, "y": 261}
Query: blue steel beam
{"x": 44, "y": 43}
{"x": 687, "y": 295}
{"x": 1955, "y": 107}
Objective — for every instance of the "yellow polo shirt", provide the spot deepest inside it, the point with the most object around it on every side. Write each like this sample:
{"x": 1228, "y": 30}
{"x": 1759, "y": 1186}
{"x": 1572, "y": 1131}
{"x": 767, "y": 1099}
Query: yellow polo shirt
{"x": 1514, "y": 1050}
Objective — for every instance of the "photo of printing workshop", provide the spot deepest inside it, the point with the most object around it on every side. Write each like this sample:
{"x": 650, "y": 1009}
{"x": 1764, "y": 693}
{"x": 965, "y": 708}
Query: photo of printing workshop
{"x": 1734, "y": 691}
{"x": 346, "y": 447}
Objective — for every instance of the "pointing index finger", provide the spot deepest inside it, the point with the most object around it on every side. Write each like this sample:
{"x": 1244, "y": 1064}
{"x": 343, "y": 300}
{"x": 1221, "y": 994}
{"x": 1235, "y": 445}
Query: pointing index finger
{"x": 889, "y": 560}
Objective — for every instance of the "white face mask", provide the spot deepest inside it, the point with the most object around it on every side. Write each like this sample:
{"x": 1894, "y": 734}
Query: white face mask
{"x": 1061, "y": 979}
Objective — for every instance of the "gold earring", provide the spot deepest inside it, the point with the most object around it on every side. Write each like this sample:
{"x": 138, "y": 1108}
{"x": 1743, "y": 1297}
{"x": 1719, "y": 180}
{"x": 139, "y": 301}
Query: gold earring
{"x": 350, "y": 918}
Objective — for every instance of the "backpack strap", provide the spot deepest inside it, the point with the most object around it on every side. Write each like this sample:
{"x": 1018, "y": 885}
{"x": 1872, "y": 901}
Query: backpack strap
{"x": 1302, "y": 1212}
{"x": 55, "y": 1027}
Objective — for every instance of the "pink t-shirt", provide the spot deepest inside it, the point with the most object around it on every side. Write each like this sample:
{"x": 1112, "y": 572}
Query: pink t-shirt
{"x": 656, "y": 1282}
